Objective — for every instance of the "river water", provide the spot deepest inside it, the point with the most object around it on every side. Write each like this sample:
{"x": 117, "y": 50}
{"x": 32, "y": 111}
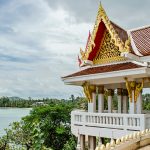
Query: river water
{"x": 9, "y": 115}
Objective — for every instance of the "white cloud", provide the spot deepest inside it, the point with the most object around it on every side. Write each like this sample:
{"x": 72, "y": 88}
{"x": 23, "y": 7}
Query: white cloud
{"x": 38, "y": 49}
{"x": 39, "y": 43}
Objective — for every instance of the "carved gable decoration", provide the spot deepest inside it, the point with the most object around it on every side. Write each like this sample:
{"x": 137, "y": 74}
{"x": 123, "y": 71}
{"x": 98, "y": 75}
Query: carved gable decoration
{"x": 108, "y": 51}
{"x": 106, "y": 43}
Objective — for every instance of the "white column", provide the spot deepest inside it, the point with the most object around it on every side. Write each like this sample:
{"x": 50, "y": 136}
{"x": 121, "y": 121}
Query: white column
{"x": 82, "y": 142}
{"x": 101, "y": 99}
{"x": 139, "y": 104}
{"x": 125, "y": 101}
{"x": 119, "y": 97}
{"x": 92, "y": 105}
{"x": 132, "y": 105}
{"x": 110, "y": 94}
{"x": 92, "y": 142}
{"x": 78, "y": 142}
{"x": 94, "y": 101}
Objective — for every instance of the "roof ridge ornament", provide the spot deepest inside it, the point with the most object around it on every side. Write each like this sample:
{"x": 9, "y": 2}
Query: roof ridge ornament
{"x": 102, "y": 16}
{"x": 110, "y": 28}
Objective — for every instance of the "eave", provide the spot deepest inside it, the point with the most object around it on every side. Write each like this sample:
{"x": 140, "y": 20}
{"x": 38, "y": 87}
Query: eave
{"x": 115, "y": 77}
{"x": 143, "y": 59}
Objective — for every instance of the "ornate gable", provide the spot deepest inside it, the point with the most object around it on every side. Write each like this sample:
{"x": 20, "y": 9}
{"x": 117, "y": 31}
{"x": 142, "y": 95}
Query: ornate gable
{"x": 105, "y": 44}
{"x": 108, "y": 51}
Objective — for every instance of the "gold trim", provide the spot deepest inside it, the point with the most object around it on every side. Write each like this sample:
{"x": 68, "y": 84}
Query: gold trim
{"x": 114, "y": 35}
{"x": 135, "y": 87}
{"x": 109, "y": 60}
{"x": 138, "y": 89}
{"x": 102, "y": 16}
{"x": 127, "y": 47}
{"x": 108, "y": 51}
{"x": 88, "y": 90}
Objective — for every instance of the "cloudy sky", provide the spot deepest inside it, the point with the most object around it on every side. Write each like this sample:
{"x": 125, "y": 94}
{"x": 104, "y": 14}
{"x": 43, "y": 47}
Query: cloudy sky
{"x": 40, "y": 41}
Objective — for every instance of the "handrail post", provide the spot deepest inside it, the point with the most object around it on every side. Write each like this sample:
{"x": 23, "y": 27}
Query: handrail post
{"x": 142, "y": 122}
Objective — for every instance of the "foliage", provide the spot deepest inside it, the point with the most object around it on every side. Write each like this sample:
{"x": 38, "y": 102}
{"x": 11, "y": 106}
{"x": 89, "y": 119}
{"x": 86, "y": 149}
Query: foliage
{"x": 4, "y": 140}
{"x": 81, "y": 103}
{"x": 7, "y": 102}
{"x": 71, "y": 144}
{"x": 146, "y": 101}
{"x": 54, "y": 124}
{"x": 25, "y": 135}
{"x": 25, "y": 103}
{"x": 46, "y": 127}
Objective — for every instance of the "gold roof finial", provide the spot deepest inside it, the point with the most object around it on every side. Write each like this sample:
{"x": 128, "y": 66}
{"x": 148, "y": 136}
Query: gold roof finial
{"x": 100, "y": 4}
{"x": 102, "y": 17}
{"x": 101, "y": 10}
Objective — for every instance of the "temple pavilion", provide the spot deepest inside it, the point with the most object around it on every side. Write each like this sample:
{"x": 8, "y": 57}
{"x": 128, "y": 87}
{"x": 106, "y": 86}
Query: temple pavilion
{"x": 113, "y": 60}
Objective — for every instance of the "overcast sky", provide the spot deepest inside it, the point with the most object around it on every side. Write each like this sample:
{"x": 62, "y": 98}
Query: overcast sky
{"x": 40, "y": 41}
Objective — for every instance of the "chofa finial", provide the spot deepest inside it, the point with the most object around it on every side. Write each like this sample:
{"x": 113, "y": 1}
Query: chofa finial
{"x": 100, "y": 4}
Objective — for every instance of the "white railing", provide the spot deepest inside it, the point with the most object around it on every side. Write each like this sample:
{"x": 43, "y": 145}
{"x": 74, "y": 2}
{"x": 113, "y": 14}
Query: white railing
{"x": 131, "y": 122}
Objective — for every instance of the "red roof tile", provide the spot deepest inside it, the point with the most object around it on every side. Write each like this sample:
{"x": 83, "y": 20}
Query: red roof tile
{"x": 103, "y": 69}
{"x": 121, "y": 32}
{"x": 141, "y": 38}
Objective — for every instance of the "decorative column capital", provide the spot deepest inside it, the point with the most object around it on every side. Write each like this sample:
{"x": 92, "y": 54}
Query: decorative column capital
{"x": 88, "y": 90}
{"x": 100, "y": 89}
{"x": 138, "y": 89}
{"x": 119, "y": 91}
{"x": 110, "y": 92}
{"x": 135, "y": 87}
{"x": 130, "y": 85}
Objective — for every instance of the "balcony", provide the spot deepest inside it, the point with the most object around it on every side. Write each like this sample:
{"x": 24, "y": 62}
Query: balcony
{"x": 108, "y": 125}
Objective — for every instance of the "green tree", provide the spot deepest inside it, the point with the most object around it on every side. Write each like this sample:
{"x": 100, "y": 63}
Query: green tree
{"x": 71, "y": 144}
{"x": 46, "y": 127}
{"x": 4, "y": 142}
{"x": 54, "y": 123}
{"x": 25, "y": 135}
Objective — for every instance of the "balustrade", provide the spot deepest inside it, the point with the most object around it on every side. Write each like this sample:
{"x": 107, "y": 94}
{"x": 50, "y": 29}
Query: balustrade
{"x": 110, "y": 120}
